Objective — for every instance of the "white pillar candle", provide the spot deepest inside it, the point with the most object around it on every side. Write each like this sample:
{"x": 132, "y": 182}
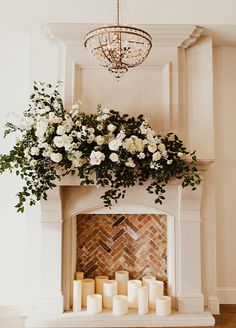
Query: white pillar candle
{"x": 163, "y": 306}
{"x": 94, "y": 303}
{"x": 147, "y": 279}
{"x": 156, "y": 289}
{"x": 122, "y": 278}
{"x": 77, "y": 295}
{"x": 109, "y": 290}
{"x": 99, "y": 280}
{"x": 133, "y": 286}
{"x": 79, "y": 275}
{"x": 120, "y": 305}
{"x": 143, "y": 300}
{"x": 88, "y": 288}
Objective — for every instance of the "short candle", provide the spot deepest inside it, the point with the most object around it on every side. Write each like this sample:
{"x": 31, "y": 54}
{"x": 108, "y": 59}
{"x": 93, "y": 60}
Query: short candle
{"x": 120, "y": 305}
{"x": 94, "y": 304}
{"x": 163, "y": 306}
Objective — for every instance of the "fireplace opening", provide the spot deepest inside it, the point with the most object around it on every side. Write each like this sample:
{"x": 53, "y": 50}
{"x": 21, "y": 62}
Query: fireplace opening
{"x": 137, "y": 243}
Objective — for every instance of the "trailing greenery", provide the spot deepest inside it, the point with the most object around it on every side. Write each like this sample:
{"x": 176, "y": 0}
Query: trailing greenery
{"x": 118, "y": 150}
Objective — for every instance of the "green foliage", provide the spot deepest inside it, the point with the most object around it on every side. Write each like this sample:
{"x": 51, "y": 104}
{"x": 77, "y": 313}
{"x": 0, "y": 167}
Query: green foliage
{"x": 117, "y": 150}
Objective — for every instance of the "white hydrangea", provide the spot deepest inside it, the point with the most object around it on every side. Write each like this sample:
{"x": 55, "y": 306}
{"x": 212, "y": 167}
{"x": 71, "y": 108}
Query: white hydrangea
{"x": 34, "y": 151}
{"x": 152, "y": 147}
{"x": 96, "y": 157}
{"x": 130, "y": 162}
{"x": 115, "y": 144}
{"x": 133, "y": 144}
{"x": 41, "y": 128}
{"x": 141, "y": 156}
{"x": 61, "y": 129}
{"x": 100, "y": 140}
{"x": 156, "y": 156}
{"x": 56, "y": 157}
{"x": 114, "y": 157}
{"x": 161, "y": 147}
{"x": 111, "y": 127}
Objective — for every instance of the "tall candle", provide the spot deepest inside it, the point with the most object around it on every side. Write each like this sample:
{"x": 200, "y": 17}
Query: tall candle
{"x": 147, "y": 279}
{"x": 94, "y": 303}
{"x": 122, "y": 278}
{"x": 79, "y": 275}
{"x": 163, "y": 306}
{"x": 120, "y": 305}
{"x": 88, "y": 288}
{"x": 156, "y": 289}
{"x": 77, "y": 295}
{"x": 143, "y": 300}
{"x": 99, "y": 280}
{"x": 133, "y": 286}
{"x": 109, "y": 290}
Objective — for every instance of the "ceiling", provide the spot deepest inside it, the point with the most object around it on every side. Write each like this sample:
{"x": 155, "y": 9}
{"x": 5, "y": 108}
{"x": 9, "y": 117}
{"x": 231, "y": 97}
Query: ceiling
{"x": 217, "y": 16}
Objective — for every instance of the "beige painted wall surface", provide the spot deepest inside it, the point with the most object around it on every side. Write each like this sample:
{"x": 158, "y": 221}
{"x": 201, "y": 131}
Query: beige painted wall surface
{"x": 225, "y": 145}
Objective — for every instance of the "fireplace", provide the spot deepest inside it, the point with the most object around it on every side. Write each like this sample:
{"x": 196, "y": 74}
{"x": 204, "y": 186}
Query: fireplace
{"x": 181, "y": 74}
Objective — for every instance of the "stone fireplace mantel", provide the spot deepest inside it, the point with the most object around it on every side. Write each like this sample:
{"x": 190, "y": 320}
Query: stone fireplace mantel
{"x": 182, "y": 207}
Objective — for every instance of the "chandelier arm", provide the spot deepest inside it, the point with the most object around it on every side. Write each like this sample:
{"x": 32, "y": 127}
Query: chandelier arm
{"x": 118, "y": 12}
{"x": 99, "y": 38}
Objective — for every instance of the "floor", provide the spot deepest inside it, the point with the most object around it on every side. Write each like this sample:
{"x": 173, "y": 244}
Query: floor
{"x": 227, "y": 319}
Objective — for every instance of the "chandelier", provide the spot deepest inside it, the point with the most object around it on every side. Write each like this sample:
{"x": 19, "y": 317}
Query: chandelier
{"x": 118, "y": 47}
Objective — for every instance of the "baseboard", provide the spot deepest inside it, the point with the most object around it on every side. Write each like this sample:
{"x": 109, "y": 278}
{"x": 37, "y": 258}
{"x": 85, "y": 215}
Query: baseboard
{"x": 227, "y": 295}
{"x": 214, "y": 304}
{"x": 10, "y": 316}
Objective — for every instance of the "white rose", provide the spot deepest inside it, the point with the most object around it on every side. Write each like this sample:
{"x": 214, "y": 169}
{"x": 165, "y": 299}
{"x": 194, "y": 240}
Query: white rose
{"x": 56, "y": 157}
{"x": 152, "y": 147}
{"x": 180, "y": 154}
{"x": 130, "y": 162}
{"x": 61, "y": 129}
{"x": 96, "y": 157}
{"x": 114, "y": 144}
{"x": 156, "y": 156}
{"x": 164, "y": 153}
{"x": 111, "y": 127}
{"x": 91, "y": 130}
{"x": 47, "y": 152}
{"x": 90, "y": 138}
{"x": 34, "y": 151}
{"x": 121, "y": 135}
{"x": 141, "y": 156}
{"x": 33, "y": 162}
{"x": 161, "y": 147}
{"x": 114, "y": 157}
{"x": 59, "y": 141}
{"x": 78, "y": 162}
{"x": 169, "y": 162}
{"x": 100, "y": 140}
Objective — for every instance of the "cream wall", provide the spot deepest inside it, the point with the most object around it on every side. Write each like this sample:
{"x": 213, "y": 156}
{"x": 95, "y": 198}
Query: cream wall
{"x": 225, "y": 169}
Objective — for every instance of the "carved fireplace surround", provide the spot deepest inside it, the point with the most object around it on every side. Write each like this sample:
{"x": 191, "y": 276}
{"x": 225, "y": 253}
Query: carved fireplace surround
{"x": 173, "y": 108}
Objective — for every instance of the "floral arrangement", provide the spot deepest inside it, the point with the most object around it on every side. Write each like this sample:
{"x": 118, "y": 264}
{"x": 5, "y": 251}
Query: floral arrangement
{"x": 105, "y": 149}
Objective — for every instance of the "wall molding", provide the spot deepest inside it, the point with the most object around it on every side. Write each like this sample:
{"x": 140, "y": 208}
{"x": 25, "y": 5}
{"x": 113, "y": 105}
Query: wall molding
{"x": 227, "y": 295}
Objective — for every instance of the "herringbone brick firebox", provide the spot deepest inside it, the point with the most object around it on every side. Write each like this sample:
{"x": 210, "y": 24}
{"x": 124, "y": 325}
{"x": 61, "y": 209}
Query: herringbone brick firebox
{"x": 109, "y": 243}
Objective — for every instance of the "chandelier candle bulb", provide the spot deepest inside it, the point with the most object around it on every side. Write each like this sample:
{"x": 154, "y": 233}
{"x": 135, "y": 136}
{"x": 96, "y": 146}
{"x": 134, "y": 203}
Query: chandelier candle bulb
{"x": 79, "y": 275}
{"x": 122, "y": 278}
{"x": 109, "y": 290}
{"x": 94, "y": 304}
{"x": 147, "y": 279}
{"x": 120, "y": 305}
{"x": 133, "y": 286}
{"x": 163, "y": 306}
{"x": 77, "y": 295}
{"x": 142, "y": 300}
{"x": 156, "y": 290}
{"x": 99, "y": 281}
{"x": 88, "y": 288}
